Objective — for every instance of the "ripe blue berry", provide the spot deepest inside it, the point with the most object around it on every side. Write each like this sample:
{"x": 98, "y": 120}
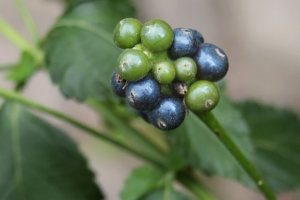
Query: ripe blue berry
{"x": 143, "y": 94}
{"x": 212, "y": 62}
{"x": 186, "y": 42}
{"x": 118, "y": 84}
{"x": 168, "y": 114}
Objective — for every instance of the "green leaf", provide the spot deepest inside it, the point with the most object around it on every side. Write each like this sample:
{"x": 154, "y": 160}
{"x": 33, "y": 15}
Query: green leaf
{"x": 38, "y": 161}
{"x": 24, "y": 69}
{"x": 276, "y": 137}
{"x": 160, "y": 194}
{"x": 195, "y": 143}
{"x": 141, "y": 181}
{"x": 80, "y": 54}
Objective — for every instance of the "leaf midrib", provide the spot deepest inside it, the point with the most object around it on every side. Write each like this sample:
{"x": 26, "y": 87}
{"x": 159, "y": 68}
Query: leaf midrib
{"x": 16, "y": 149}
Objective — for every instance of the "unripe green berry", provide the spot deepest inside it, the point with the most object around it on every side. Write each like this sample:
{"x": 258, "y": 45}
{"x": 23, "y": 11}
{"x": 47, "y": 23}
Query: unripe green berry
{"x": 202, "y": 96}
{"x": 160, "y": 56}
{"x": 146, "y": 51}
{"x": 133, "y": 65}
{"x": 164, "y": 71}
{"x": 186, "y": 69}
{"x": 157, "y": 35}
{"x": 127, "y": 33}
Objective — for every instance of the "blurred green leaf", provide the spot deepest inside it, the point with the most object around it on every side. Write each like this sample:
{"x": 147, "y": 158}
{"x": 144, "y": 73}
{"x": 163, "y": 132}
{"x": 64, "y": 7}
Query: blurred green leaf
{"x": 160, "y": 194}
{"x": 80, "y": 54}
{"x": 194, "y": 144}
{"x": 24, "y": 69}
{"x": 276, "y": 137}
{"x": 39, "y": 161}
{"x": 141, "y": 181}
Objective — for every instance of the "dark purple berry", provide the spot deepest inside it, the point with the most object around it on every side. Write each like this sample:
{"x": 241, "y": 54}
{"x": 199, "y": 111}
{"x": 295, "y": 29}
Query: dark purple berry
{"x": 168, "y": 114}
{"x": 186, "y": 43}
{"x": 212, "y": 62}
{"x": 143, "y": 94}
{"x": 118, "y": 84}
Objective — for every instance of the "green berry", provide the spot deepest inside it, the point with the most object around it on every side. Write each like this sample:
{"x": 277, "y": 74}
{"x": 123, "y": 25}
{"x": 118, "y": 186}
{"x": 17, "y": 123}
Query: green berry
{"x": 146, "y": 51}
{"x": 133, "y": 65}
{"x": 127, "y": 33}
{"x": 157, "y": 57}
{"x": 157, "y": 35}
{"x": 164, "y": 71}
{"x": 186, "y": 69}
{"x": 202, "y": 96}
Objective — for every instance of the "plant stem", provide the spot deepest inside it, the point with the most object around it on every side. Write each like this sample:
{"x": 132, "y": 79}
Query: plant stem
{"x": 193, "y": 186}
{"x": 27, "y": 18}
{"x": 108, "y": 112}
{"x": 11, "y": 34}
{"x": 210, "y": 120}
{"x": 14, "y": 96}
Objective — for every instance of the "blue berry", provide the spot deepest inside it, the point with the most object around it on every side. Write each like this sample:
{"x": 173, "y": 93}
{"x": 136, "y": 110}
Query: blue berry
{"x": 186, "y": 43}
{"x": 118, "y": 84}
{"x": 168, "y": 114}
{"x": 143, "y": 94}
{"x": 212, "y": 62}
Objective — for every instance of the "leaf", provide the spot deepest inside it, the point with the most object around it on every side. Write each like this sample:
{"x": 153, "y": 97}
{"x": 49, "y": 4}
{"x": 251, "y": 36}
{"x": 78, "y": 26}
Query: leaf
{"x": 200, "y": 148}
{"x": 141, "y": 181}
{"x": 80, "y": 54}
{"x": 276, "y": 138}
{"x": 24, "y": 69}
{"x": 160, "y": 195}
{"x": 39, "y": 161}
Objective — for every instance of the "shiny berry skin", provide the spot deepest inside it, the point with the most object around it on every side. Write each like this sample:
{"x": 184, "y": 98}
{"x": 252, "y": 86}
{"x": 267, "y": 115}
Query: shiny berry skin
{"x": 143, "y": 94}
{"x": 133, "y": 65}
{"x": 146, "y": 51}
{"x": 202, "y": 96}
{"x": 118, "y": 84}
{"x": 168, "y": 114}
{"x": 164, "y": 71}
{"x": 186, "y": 69}
{"x": 212, "y": 62}
{"x": 127, "y": 33}
{"x": 157, "y": 35}
{"x": 186, "y": 43}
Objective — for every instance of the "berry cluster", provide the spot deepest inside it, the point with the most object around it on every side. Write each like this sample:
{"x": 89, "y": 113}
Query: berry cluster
{"x": 162, "y": 72}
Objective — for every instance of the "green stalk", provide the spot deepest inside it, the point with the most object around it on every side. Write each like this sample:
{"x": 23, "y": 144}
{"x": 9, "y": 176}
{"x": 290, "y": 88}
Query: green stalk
{"x": 191, "y": 184}
{"x": 187, "y": 181}
{"x": 28, "y": 20}
{"x": 11, "y": 34}
{"x": 210, "y": 120}
{"x": 14, "y": 96}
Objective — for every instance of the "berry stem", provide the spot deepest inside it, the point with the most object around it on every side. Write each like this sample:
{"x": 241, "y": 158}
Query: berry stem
{"x": 210, "y": 120}
{"x": 14, "y": 96}
{"x": 108, "y": 112}
{"x": 27, "y": 18}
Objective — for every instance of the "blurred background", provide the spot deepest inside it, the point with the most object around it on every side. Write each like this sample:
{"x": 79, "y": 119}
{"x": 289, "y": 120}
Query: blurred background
{"x": 261, "y": 38}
